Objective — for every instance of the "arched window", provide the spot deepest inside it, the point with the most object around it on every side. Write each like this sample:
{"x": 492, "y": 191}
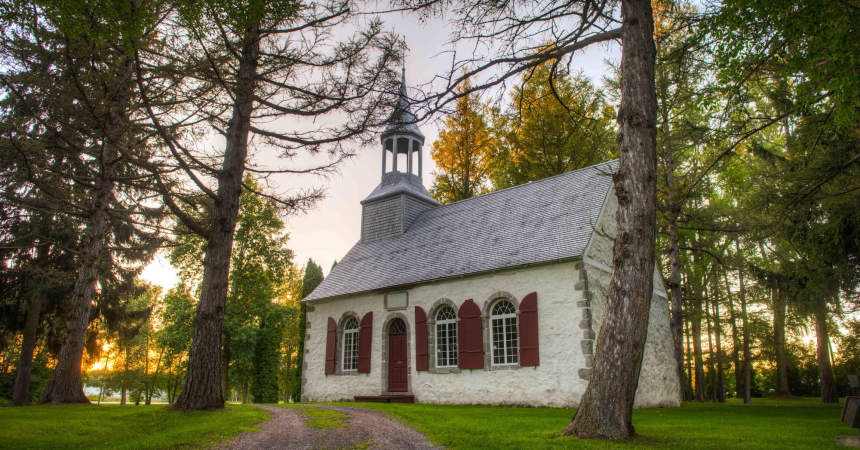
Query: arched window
{"x": 503, "y": 327}
{"x": 350, "y": 344}
{"x": 446, "y": 337}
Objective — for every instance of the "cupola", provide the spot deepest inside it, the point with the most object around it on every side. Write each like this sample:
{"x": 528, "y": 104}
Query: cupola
{"x": 400, "y": 197}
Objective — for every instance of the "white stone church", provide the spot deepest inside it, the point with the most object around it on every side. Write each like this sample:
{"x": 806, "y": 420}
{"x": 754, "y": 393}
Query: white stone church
{"x": 492, "y": 300}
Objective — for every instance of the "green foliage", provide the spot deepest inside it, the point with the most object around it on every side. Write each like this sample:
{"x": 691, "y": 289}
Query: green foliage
{"x": 177, "y": 316}
{"x": 556, "y": 122}
{"x": 312, "y": 278}
{"x": 848, "y": 360}
{"x": 261, "y": 284}
{"x": 90, "y": 426}
{"x": 40, "y": 374}
{"x": 264, "y": 386}
{"x": 238, "y": 15}
{"x": 762, "y": 425}
{"x": 802, "y": 371}
{"x": 812, "y": 42}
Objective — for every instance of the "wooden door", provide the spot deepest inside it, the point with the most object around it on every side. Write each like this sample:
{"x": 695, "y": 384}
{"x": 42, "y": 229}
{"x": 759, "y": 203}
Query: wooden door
{"x": 397, "y": 356}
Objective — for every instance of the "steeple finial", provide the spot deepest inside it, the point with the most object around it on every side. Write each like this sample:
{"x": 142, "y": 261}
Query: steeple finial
{"x": 402, "y": 120}
{"x": 403, "y": 82}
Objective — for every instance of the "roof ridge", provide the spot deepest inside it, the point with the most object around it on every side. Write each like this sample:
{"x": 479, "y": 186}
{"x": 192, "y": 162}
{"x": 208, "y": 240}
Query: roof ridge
{"x": 529, "y": 183}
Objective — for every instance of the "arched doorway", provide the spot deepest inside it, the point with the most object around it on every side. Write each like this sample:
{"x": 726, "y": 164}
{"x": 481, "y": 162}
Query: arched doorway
{"x": 397, "y": 367}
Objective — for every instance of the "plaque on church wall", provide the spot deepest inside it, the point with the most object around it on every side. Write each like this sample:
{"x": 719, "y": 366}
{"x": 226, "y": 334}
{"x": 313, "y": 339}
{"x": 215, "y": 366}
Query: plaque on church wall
{"x": 396, "y": 300}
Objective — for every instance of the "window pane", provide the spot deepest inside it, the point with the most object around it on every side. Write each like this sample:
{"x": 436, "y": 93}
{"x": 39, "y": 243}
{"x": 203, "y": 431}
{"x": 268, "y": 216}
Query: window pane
{"x": 446, "y": 344}
{"x": 350, "y": 350}
{"x": 505, "y": 339}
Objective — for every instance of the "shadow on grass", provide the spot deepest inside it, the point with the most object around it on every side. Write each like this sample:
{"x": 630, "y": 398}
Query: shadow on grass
{"x": 765, "y": 424}
{"x": 114, "y": 426}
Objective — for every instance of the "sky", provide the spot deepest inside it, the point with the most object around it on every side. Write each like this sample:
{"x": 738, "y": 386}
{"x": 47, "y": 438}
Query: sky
{"x": 332, "y": 227}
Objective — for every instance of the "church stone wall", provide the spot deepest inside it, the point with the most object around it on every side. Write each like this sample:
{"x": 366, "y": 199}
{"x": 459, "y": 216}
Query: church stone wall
{"x": 658, "y": 379}
{"x": 553, "y": 383}
{"x": 557, "y": 381}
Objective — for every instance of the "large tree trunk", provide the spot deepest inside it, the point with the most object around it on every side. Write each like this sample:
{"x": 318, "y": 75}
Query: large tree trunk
{"x": 677, "y": 318}
{"x": 697, "y": 353}
{"x": 607, "y": 405}
{"x": 735, "y": 342}
{"x": 825, "y": 370}
{"x": 225, "y": 366}
{"x": 747, "y": 358}
{"x": 21, "y": 391}
{"x": 688, "y": 393}
{"x": 719, "y": 388}
{"x": 711, "y": 371}
{"x": 124, "y": 386}
{"x": 203, "y": 382}
{"x": 147, "y": 386}
{"x": 782, "y": 388}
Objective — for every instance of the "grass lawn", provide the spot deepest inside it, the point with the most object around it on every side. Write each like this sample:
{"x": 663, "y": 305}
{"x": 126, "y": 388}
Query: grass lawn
{"x": 802, "y": 423}
{"x": 114, "y": 426}
{"x": 318, "y": 417}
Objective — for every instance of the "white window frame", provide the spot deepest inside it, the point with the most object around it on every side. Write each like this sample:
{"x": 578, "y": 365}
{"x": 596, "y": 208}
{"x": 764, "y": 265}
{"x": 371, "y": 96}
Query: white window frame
{"x": 502, "y": 320}
{"x": 451, "y": 346}
{"x": 350, "y": 344}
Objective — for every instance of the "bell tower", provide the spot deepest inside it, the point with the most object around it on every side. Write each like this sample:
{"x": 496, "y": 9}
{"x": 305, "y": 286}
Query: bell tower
{"x": 402, "y": 136}
{"x": 400, "y": 197}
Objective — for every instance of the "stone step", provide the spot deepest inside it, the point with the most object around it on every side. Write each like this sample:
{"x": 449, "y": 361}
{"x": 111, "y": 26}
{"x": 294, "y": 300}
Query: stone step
{"x": 395, "y": 398}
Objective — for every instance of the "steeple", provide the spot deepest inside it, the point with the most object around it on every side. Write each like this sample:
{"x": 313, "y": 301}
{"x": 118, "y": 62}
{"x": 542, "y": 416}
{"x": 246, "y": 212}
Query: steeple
{"x": 402, "y": 135}
{"x": 400, "y": 197}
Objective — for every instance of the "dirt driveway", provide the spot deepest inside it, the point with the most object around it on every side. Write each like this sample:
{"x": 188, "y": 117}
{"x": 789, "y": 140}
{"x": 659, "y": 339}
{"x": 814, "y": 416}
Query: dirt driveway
{"x": 364, "y": 428}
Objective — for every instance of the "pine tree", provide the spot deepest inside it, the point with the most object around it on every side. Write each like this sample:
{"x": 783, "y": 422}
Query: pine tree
{"x": 556, "y": 122}
{"x": 70, "y": 92}
{"x": 264, "y": 385}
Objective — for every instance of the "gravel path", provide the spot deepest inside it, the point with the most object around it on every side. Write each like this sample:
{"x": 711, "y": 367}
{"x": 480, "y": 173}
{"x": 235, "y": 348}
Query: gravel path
{"x": 365, "y": 428}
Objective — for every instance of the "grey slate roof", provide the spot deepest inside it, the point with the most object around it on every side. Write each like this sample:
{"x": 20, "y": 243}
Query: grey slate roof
{"x": 394, "y": 183}
{"x": 542, "y": 221}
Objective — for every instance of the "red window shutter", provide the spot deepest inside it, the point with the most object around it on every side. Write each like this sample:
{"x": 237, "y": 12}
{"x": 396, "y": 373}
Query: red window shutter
{"x": 421, "y": 362}
{"x": 529, "y": 331}
{"x": 330, "y": 343}
{"x": 365, "y": 340}
{"x": 470, "y": 336}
